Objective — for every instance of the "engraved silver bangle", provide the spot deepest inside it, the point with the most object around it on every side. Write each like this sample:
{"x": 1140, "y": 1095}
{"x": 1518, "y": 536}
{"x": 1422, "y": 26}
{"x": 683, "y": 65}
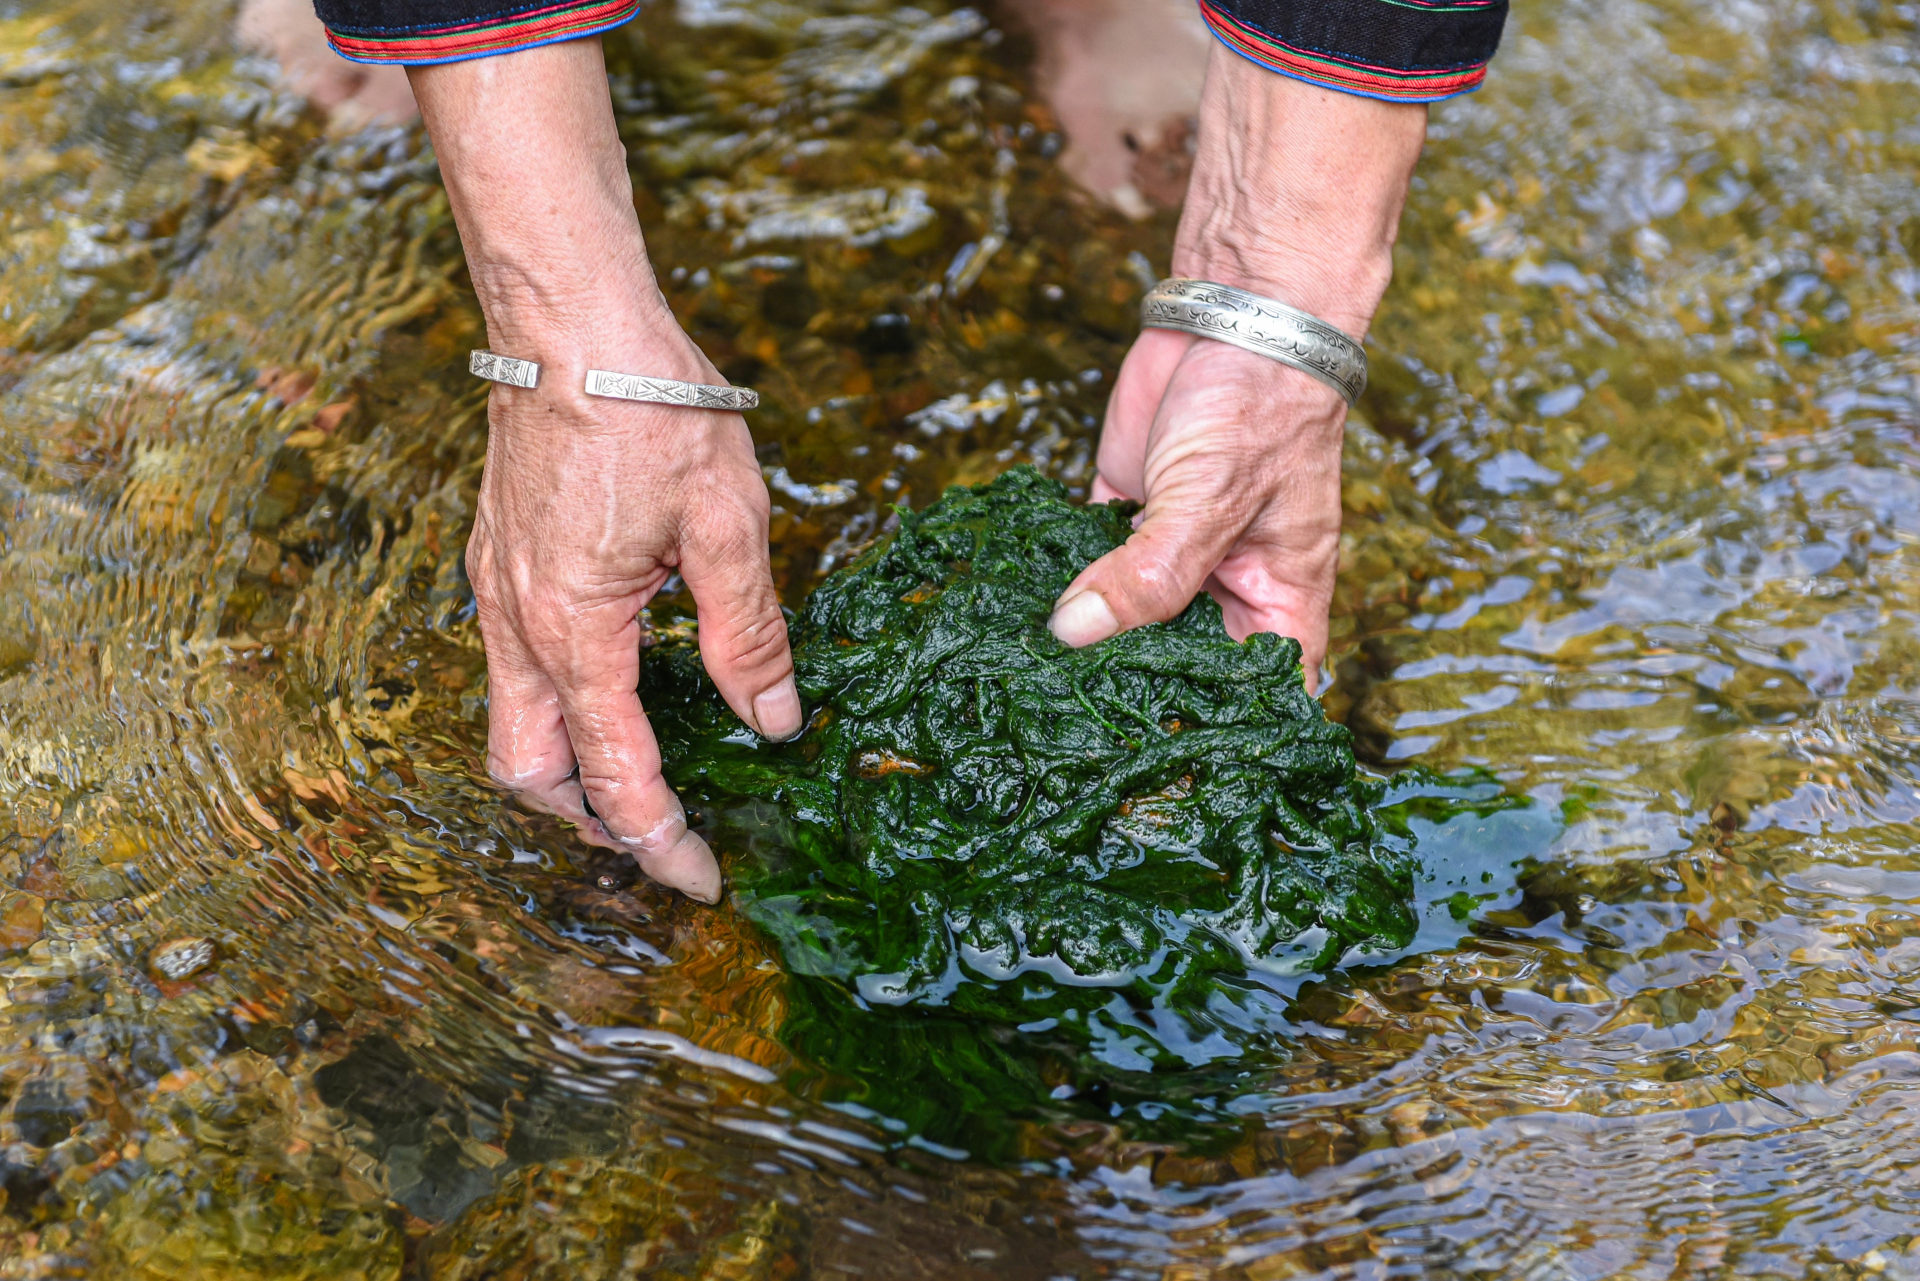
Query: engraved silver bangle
{"x": 669, "y": 391}
{"x": 496, "y": 368}
{"x": 1260, "y": 325}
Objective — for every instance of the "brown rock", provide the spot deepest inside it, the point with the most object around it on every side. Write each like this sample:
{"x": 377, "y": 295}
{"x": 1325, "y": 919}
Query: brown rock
{"x": 179, "y": 959}
{"x": 23, "y": 919}
{"x": 331, "y": 416}
{"x": 291, "y": 387}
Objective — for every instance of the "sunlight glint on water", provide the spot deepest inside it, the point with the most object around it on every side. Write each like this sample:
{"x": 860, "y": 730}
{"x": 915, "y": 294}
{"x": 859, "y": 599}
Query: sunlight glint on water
{"x": 287, "y": 990}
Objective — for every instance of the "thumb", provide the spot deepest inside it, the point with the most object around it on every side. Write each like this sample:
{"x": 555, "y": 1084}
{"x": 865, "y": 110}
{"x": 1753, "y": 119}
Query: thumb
{"x": 1152, "y": 576}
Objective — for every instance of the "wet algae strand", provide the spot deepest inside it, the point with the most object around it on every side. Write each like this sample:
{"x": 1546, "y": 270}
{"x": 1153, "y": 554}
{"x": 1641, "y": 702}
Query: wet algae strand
{"x": 1107, "y": 849}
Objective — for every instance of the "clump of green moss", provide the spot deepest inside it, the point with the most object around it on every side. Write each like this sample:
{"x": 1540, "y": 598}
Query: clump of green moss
{"x": 1107, "y": 849}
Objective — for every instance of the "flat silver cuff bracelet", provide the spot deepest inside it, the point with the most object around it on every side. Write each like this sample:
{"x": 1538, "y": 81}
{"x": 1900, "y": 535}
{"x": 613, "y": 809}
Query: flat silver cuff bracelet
{"x": 503, "y": 369}
{"x": 1261, "y": 325}
{"x": 601, "y": 382}
{"x": 669, "y": 391}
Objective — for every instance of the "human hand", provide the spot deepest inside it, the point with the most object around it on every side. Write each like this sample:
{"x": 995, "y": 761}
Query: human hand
{"x": 588, "y": 505}
{"x": 1296, "y": 195}
{"x": 1238, "y": 460}
{"x": 585, "y": 509}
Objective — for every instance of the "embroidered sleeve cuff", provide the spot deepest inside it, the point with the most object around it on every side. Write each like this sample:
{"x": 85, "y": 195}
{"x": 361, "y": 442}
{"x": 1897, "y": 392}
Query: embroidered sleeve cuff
{"x": 1399, "y": 50}
{"x": 478, "y": 37}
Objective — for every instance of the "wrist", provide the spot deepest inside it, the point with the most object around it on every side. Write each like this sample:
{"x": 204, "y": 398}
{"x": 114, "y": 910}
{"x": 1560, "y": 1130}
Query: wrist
{"x": 623, "y": 326}
{"x": 1297, "y": 191}
{"x": 1340, "y": 283}
{"x": 570, "y": 280}
{"x": 1337, "y": 281}
{"x": 537, "y": 178}
{"x": 564, "y": 310}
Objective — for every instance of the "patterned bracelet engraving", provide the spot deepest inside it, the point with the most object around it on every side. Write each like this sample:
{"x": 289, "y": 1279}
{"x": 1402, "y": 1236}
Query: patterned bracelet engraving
{"x": 669, "y": 391}
{"x": 496, "y": 368}
{"x": 1259, "y": 325}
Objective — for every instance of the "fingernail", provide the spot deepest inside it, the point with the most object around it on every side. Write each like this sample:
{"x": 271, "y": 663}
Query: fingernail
{"x": 777, "y": 712}
{"x": 696, "y": 873}
{"x": 687, "y": 865}
{"x": 1083, "y": 619}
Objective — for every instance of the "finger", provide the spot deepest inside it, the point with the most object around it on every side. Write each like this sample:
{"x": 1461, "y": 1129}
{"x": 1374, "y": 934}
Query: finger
{"x": 1133, "y": 406}
{"x": 619, "y": 763}
{"x": 1145, "y": 373}
{"x": 1255, "y": 599}
{"x": 528, "y": 750}
{"x": 592, "y": 666}
{"x": 1182, "y": 535}
{"x": 743, "y": 635}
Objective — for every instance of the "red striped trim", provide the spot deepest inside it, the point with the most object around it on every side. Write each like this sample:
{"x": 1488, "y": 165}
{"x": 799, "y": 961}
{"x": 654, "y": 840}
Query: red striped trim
{"x": 1344, "y": 74}
{"x": 507, "y": 34}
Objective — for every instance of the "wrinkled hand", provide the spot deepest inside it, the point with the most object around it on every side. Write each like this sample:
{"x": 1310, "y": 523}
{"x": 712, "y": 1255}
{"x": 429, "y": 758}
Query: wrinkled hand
{"x": 1296, "y": 195}
{"x": 586, "y": 508}
{"x": 1237, "y": 460}
{"x": 588, "y": 505}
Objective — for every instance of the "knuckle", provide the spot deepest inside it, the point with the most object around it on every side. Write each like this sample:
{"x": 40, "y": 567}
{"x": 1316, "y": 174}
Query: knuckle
{"x": 600, "y": 787}
{"x": 553, "y": 597}
{"x": 567, "y": 586}
{"x": 481, "y": 560}
{"x": 570, "y": 603}
{"x": 537, "y": 774}
{"x": 762, "y": 643}
{"x": 1157, "y": 582}
{"x": 544, "y": 617}
{"x": 620, "y": 799}
{"x": 732, "y": 522}
{"x": 571, "y": 656}
{"x": 607, "y": 798}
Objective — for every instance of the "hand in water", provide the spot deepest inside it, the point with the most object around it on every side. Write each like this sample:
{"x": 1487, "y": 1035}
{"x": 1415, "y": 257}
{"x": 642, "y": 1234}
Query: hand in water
{"x": 588, "y": 505}
{"x": 1296, "y": 195}
{"x": 1237, "y": 458}
{"x": 586, "y": 508}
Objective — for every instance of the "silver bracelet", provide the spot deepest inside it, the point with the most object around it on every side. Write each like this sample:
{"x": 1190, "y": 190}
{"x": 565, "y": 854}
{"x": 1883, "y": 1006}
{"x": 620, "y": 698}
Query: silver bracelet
{"x": 496, "y": 368}
{"x": 514, "y": 372}
{"x": 1260, "y": 325}
{"x": 669, "y": 391}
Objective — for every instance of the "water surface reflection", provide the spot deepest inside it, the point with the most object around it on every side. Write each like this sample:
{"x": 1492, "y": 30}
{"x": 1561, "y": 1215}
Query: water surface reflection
{"x": 289, "y": 991}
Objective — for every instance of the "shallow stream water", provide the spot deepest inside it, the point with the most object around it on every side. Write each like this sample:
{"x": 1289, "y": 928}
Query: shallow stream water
{"x": 287, "y": 990}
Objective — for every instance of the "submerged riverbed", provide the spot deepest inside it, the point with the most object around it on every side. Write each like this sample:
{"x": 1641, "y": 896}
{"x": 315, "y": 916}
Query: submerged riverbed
{"x": 287, "y": 990}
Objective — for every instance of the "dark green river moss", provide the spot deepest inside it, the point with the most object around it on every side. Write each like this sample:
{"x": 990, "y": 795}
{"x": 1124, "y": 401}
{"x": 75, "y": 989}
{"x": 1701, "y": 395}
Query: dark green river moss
{"x": 1111, "y": 853}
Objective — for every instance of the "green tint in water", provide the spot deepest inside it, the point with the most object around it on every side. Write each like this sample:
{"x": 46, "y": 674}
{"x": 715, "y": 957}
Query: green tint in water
{"x": 1102, "y": 846}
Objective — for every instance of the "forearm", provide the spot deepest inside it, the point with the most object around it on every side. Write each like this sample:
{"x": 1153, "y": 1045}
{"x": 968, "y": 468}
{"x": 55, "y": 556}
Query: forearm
{"x": 1297, "y": 190}
{"x": 537, "y": 177}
